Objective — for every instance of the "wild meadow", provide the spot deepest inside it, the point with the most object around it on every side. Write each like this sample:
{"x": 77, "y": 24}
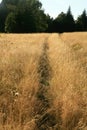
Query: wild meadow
{"x": 43, "y": 81}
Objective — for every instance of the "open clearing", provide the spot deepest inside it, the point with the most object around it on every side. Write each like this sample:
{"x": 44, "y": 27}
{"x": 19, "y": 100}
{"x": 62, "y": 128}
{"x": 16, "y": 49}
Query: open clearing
{"x": 43, "y": 81}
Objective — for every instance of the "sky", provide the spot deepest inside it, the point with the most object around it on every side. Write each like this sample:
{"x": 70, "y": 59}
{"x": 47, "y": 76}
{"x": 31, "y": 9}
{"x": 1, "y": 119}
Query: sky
{"x": 55, "y": 7}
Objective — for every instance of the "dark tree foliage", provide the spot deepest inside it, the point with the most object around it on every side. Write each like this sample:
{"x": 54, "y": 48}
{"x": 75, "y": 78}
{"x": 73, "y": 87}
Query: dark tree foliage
{"x": 64, "y": 22}
{"x": 27, "y": 16}
{"x": 49, "y": 21}
{"x": 24, "y": 21}
{"x": 69, "y": 21}
{"x": 81, "y": 23}
{"x": 3, "y": 15}
{"x": 24, "y": 16}
{"x": 11, "y": 24}
{"x": 59, "y": 23}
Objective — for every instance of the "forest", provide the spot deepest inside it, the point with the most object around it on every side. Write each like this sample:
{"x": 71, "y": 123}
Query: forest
{"x": 27, "y": 16}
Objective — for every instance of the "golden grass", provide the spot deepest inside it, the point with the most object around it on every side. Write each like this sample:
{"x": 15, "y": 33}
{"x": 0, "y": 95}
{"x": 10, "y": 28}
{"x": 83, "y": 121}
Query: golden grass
{"x": 21, "y": 79}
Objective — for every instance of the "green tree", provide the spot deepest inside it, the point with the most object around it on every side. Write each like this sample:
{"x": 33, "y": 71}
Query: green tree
{"x": 70, "y": 23}
{"x": 81, "y": 23}
{"x": 49, "y": 21}
{"x": 10, "y": 24}
{"x": 3, "y": 15}
{"x": 41, "y": 21}
{"x": 12, "y": 2}
{"x": 59, "y": 23}
{"x": 29, "y": 17}
{"x": 37, "y": 16}
{"x": 64, "y": 22}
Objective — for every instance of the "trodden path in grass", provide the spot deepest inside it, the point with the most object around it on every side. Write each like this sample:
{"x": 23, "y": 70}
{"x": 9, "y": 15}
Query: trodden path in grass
{"x": 62, "y": 87}
{"x": 49, "y": 71}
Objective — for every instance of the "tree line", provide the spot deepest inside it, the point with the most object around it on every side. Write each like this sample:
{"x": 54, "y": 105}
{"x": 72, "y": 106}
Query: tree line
{"x": 27, "y": 16}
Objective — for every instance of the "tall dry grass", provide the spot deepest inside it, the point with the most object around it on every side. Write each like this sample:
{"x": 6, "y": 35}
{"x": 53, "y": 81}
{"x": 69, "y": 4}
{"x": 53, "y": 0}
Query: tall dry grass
{"x": 69, "y": 83}
{"x": 43, "y": 81}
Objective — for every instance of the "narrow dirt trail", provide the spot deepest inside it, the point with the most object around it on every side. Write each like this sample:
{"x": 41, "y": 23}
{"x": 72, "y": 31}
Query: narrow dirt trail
{"x": 50, "y": 74}
{"x": 44, "y": 70}
{"x": 60, "y": 80}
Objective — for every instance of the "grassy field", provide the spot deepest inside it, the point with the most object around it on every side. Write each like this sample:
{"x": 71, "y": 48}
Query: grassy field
{"x": 43, "y": 81}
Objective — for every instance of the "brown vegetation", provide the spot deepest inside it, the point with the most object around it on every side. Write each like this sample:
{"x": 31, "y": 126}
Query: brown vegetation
{"x": 43, "y": 81}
